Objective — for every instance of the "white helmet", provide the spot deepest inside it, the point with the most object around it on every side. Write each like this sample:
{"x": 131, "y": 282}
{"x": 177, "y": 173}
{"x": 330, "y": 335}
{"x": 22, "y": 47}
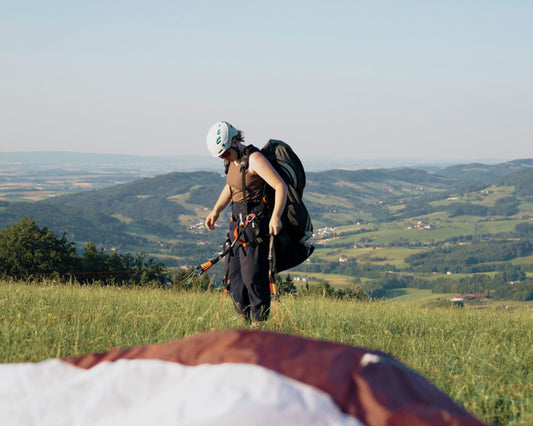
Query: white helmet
{"x": 219, "y": 137}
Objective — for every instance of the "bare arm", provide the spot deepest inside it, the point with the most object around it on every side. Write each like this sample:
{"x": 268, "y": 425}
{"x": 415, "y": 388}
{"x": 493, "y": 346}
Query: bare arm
{"x": 259, "y": 165}
{"x": 223, "y": 200}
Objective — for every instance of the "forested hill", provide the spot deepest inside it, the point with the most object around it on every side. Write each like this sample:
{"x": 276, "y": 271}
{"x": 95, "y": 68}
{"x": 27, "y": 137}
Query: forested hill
{"x": 467, "y": 174}
{"x": 171, "y": 206}
{"x": 122, "y": 215}
{"x": 148, "y": 198}
{"x": 375, "y": 184}
{"x": 522, "y": 181}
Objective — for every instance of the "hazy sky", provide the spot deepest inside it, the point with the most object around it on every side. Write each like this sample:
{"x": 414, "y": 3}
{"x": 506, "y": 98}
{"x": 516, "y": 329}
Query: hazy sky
{"x": 439, "y": 79}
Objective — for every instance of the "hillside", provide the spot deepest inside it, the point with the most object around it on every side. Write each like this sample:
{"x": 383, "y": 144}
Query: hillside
{"x": 132, "y": 216}
{"x": 342, "y": 197}
{"x": 468, "y": 174}
{"x": 521, "y": 181}
{"x": 353, "y": 211}
{"x": 170, "y": 204}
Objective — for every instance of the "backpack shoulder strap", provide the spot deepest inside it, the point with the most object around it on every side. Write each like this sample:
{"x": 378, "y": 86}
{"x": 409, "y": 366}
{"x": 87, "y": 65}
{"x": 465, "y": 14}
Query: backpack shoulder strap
{"x": 245, "y": 157}
{"x": 245, "y": 162}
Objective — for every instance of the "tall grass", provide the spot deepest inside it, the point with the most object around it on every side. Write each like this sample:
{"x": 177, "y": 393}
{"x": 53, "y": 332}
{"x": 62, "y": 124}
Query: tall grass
{"x": 481, "y": 358}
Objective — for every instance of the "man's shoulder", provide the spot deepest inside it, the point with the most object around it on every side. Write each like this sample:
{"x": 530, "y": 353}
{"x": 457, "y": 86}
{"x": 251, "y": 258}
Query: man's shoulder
{"x": 250, "y": 153}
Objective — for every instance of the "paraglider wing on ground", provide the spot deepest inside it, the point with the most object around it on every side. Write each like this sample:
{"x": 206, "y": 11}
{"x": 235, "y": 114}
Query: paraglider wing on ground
{"x": 226, "y": 377}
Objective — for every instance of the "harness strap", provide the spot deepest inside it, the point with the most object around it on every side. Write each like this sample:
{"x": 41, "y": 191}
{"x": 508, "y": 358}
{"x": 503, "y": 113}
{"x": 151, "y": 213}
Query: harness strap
{"x": 244, "y": 167}
{"x": 245, "y": 162}
{"x": 237, "y": 232}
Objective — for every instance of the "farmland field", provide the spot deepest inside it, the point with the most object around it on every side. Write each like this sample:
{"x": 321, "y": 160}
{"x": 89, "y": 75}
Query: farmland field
{"x": 414, "y": 295}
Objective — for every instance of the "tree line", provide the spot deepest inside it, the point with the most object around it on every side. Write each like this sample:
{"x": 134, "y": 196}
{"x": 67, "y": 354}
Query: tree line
{"x": 487, "y": 262}
{"x": 480, "y": 256}
{"x": 27, "y": 251}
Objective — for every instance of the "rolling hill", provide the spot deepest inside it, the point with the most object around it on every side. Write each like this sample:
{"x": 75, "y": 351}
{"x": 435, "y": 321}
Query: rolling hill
{"x": 163, "y": 214}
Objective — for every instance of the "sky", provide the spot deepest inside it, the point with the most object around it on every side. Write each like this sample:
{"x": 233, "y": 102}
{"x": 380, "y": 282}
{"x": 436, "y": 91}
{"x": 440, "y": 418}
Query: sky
{"x": 437, "y": 80}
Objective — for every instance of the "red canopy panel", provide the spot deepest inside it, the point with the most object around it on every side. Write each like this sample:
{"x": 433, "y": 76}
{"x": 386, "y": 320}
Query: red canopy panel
{"x": 371, "y": 386}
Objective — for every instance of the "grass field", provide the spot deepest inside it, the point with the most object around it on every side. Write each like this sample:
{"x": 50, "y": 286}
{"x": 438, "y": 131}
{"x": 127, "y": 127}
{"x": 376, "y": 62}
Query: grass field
{"x": 482, "y": 358}
{"x": 393, "y": 256}
{"x": 414, "y": 295}
{"x": 336, "y": 280}
{"x": 498, "y": 226}
{"x": 387, "y": 236}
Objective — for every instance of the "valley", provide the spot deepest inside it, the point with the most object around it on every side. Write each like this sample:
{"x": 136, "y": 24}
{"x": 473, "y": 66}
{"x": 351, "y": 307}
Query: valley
{"x": 373, "y": 227}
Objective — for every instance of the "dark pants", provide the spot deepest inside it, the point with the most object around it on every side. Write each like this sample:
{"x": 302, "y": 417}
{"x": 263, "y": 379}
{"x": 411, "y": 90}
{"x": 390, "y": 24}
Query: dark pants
{"x": 246, "y": 268}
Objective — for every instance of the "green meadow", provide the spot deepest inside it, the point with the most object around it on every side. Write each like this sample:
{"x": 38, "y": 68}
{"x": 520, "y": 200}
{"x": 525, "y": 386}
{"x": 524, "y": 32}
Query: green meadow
{"x": 482, "y": 358}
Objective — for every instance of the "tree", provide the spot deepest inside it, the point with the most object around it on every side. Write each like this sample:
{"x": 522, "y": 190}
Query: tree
{"x": 524, "y": 229}
{"x": 286, "y": 286}
{"x": 186, "y": 279}
{"x": 323, "y": 288}
{"x": 26, "y": 249}
{"x": 93, "y": 263}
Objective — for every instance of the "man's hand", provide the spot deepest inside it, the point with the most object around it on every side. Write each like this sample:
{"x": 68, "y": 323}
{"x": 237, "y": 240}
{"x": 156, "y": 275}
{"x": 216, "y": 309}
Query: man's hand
{"x": 275, "y": 225}
{"x": 211, "y": 220}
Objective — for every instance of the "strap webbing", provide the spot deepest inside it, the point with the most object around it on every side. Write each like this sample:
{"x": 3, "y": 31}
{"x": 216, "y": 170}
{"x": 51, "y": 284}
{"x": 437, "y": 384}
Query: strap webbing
{"x": 244, "y": 167}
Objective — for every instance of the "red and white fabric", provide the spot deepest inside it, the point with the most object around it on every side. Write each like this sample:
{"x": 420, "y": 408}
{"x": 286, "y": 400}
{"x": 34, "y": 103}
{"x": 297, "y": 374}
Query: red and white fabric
{"x": 231, "y": 377}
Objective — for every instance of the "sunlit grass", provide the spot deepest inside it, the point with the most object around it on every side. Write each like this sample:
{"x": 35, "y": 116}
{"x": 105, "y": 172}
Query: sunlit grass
{"x": 336, "y": 280}
{"x": 402, "y": 295}
{"x": 481, "y": 358}
{"x": 496, "y": 226}
{"x": 122, "y": 218}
